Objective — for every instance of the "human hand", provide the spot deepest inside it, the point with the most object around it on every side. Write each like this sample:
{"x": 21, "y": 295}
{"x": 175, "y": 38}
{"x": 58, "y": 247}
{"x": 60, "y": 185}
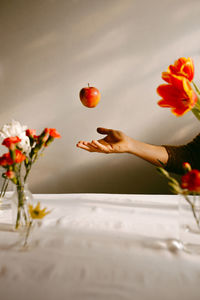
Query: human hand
{"x": 114, "y": 142}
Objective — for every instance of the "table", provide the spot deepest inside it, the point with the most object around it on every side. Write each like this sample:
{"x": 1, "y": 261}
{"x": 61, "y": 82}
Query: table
{"x": 99, "y": 247}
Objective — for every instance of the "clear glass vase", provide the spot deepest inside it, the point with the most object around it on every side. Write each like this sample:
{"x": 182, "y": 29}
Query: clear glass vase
{"x": 189, "y": 223}
{"x": 20, "y": 200}
{"x": 5, "y": 196}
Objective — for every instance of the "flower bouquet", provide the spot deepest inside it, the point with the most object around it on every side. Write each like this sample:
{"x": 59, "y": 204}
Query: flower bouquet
{"x": 182, "y": 95}
{"x": 24, "y": 148}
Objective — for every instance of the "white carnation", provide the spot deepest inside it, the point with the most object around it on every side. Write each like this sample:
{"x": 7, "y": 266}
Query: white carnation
{"x": 16, "y": 129}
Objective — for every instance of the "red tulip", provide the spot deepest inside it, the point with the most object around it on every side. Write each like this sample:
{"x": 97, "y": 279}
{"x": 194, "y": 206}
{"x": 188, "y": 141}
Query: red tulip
{"x": 180, "y": 96}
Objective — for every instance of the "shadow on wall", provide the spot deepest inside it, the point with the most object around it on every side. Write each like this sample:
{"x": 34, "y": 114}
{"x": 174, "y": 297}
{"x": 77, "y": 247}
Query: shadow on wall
{"x": 123, "y": 173}
{"x": 127, "y": 177}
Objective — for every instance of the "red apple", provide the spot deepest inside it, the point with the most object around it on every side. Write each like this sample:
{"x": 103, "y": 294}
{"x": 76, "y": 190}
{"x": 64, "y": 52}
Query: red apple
{"x": 90, "y": 96}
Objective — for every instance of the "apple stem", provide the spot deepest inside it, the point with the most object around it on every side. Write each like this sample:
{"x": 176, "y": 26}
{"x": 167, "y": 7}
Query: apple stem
{"x": 88, "y": 85}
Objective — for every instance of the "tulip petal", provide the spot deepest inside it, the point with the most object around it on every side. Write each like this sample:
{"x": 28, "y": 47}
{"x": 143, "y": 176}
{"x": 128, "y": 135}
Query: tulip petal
{"x": 170, "y": 92}
{"x": 163, "y": 103}
{"x": 180, "y": 111}
{"x": 166, "y": 76}
{"x": 182, "y": 67}
{"x": 180, "y": 98}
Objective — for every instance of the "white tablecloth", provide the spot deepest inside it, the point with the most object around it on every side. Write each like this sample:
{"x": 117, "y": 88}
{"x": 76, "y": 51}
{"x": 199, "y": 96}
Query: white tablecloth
{"x": 100, "y": 246}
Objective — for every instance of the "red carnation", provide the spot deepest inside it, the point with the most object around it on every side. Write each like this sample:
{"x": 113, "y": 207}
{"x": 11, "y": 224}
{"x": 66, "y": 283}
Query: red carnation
{"x": 9, "y": 142}
{"x": 43, "y": 137}
{"x": 3, "y": 161}
{"x": 187, "y": 167}
{"x": 46, "y": 130}
{"x": 19, "y": 156}
{"x": 54, "y": 133}
{"x": 10, "y": 174}
{"x": 6, "y": 160}
{"x": 191, "y": 181}
{"x": 30, "y": 133}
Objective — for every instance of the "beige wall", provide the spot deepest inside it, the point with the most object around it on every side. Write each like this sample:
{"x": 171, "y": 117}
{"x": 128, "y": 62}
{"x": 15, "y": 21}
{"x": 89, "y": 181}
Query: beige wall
{"x": 50, "y": 49}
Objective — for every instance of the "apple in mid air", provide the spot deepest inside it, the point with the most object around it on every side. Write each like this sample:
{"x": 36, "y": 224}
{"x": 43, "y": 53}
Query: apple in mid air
{"x": 90, "y": 96}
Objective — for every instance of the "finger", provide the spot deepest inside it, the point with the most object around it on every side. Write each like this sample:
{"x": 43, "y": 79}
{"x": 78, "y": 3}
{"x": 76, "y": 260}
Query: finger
{"x": 103, "y": 130}
{"x": 100, "y": 146}
{"x": 82, "y": 146}
{"x": 93, "y": 144}
{"x": 91, "y": 147}
{"x": 80, "y": 143}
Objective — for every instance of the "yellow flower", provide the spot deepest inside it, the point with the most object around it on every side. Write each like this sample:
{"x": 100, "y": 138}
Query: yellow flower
{"x": 36, "y": 212}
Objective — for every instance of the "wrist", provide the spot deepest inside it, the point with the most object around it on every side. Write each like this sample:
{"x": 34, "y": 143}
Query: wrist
{"x": 130, "y": 148}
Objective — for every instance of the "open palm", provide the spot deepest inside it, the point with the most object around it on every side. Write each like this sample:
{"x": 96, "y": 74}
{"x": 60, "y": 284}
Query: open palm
{"x": 114, "y": 142}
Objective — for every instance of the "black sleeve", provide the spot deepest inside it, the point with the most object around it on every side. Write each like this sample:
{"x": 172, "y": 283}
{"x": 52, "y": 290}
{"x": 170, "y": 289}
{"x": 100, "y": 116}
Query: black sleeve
{"x": 185, "y": 153}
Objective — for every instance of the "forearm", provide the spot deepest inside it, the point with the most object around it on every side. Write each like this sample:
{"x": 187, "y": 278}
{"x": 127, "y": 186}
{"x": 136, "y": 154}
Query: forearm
{"x": 183, "y": 153}
{"x": 151, "y": 153}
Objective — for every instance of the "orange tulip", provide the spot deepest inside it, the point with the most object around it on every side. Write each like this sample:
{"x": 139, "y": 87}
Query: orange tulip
{"x": 182, "y": 67}
{"x": 180, "y": 96}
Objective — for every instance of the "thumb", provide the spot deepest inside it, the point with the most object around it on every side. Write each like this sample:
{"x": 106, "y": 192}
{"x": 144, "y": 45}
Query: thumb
{"x": 102, "y": 130}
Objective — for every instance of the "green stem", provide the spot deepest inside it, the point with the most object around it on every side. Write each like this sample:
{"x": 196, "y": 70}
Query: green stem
{"x": 21, "y": 206}
{"x": 196, "y": 112}
{"x": 4, "y": 187}
{"x": 196, "y": 108}
{"x": 28, "y": 168}
{"x": 27, "y": 172}
{"x": 27, "y": 233}
{"x": 18, "y": 217}
{"x": 193, "y": 209}
{"x": 196, "y": 88}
